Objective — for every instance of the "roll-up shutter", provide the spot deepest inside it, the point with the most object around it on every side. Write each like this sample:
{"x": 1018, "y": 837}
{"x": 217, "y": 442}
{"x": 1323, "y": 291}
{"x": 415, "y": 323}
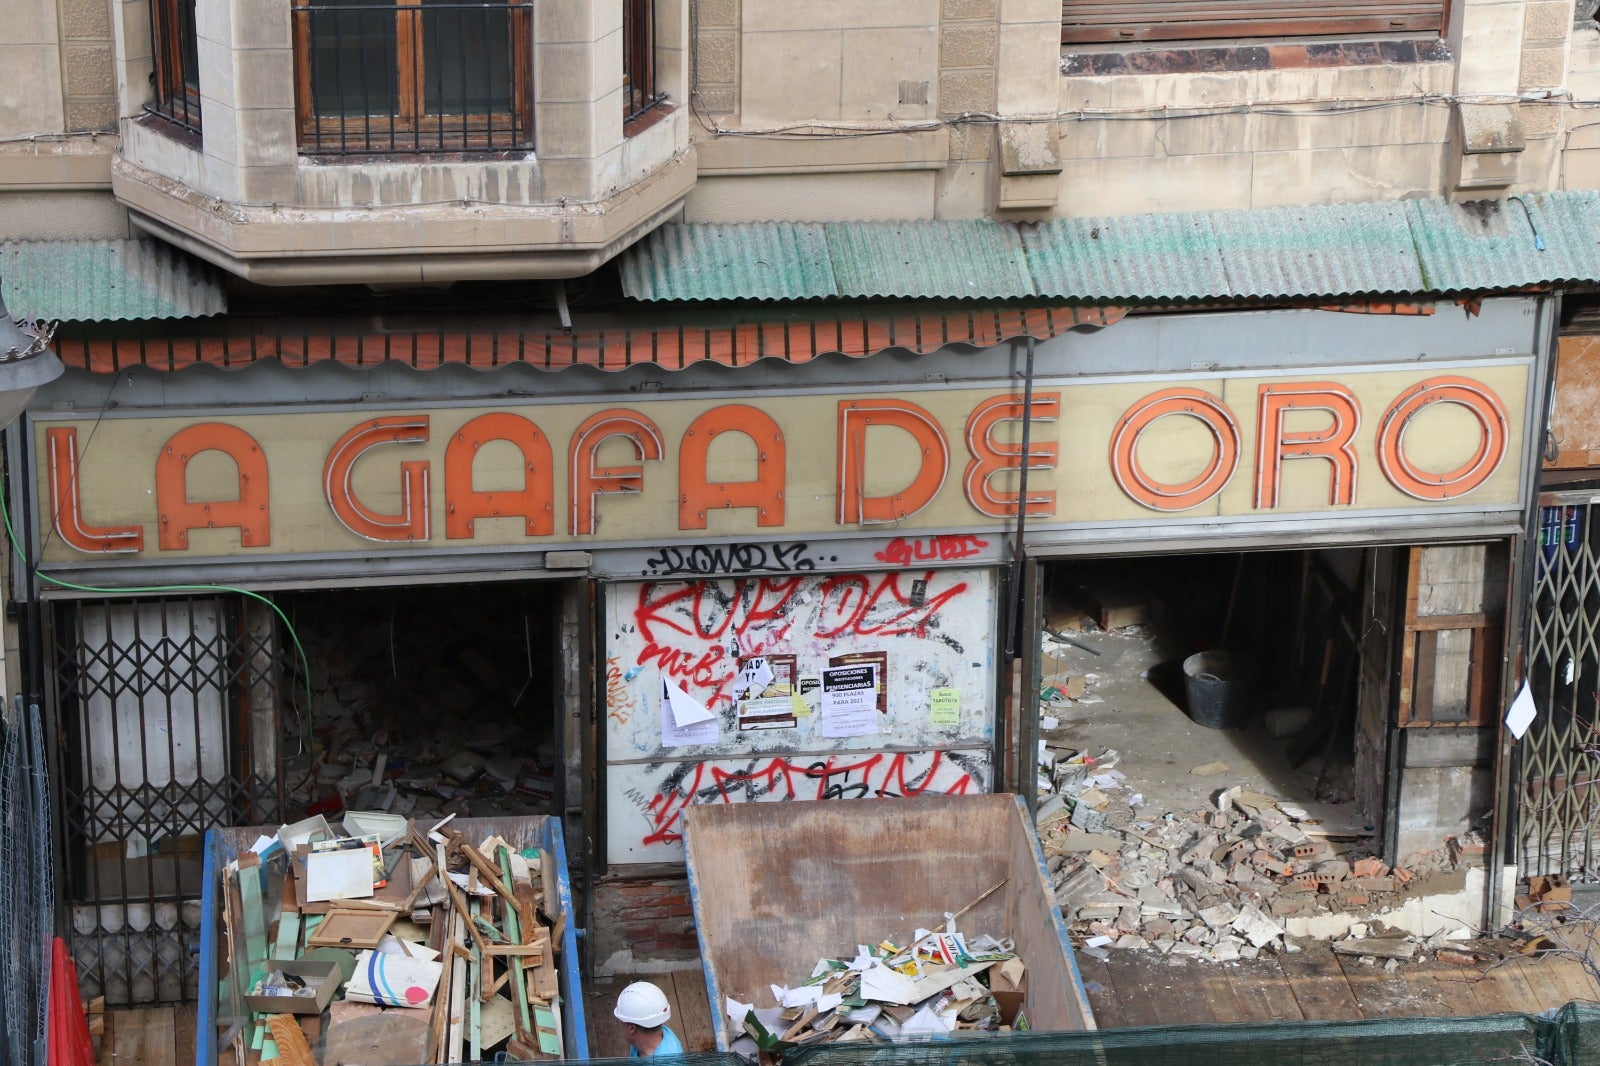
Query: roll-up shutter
{"x": 1095, "y": 21}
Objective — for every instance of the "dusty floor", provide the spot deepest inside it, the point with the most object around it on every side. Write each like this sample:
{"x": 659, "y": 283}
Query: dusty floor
{"x": 1133, "y": 703}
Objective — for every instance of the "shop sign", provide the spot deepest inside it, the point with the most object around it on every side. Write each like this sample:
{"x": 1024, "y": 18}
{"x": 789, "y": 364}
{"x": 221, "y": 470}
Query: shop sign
{"x": 680, "y": 472}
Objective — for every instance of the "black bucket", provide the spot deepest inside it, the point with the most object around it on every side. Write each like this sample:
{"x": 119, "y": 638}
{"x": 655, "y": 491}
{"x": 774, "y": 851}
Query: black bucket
{"x": 1221, "y": 687}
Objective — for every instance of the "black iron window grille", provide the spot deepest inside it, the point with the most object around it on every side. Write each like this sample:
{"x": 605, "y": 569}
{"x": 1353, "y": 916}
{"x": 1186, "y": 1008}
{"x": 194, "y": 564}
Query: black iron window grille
{"x": 374, "y": 77}
{"x": 175, "y": 51}
{"x": 639, "y": 58}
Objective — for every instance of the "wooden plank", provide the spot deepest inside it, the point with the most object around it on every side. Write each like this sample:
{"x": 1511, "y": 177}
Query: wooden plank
{"x": 1212, "y": 981}
{"x": 1263, "y": 992}
{"x": 605, "y": 1032}
{"x": 1319, "y": 984}
{"x": 1384, "y": 995}
{"x": 1138, "y": 987}
{"x": 1508, "y": 989}
{"x": 1101, "y": 988}
{"x": 144, "y": 1036}
{"x": 694, "y": 1018}
{"x": 1524, "y": 976}
{"x": 1576, "y": 981}
{"x": 185, "y": 1017}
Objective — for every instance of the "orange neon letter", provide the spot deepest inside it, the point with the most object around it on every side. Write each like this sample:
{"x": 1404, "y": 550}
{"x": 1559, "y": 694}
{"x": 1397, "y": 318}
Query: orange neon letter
{"x": 251, "y": 512}
{"x": 411, "y": 523}
{"x": 66, "y": 503}
{"x": 534, "y": 503}
{"x": 855, "y": 418}
{"x": 588, "y": 480}
{"x": 1131, "y": 477}
{"x": 1332, "y": 442}
{"x": 1493, "y": 439}
{"x": 991, "y": 457}
{"x": 696, "y": 494}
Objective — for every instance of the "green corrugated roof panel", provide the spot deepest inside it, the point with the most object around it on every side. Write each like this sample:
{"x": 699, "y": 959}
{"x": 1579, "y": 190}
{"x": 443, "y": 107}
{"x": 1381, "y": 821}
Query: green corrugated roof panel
{"x": 1494, "y": 244}
{"x": 738, "y": 261}
{"x": 1409, "y": 247}
{"x": 1327, "y": 250}
{"x": 929, "y": 260}
{"x": 1095, "y": 259}
{"x": 107, "y": 281}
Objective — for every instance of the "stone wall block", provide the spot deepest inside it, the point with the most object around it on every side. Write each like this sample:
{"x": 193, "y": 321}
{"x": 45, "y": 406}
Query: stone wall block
{"x": 86, "y": 19}
{"x": 975, "y": 44}
{"x": 969, "y": 9}
{"x": 89, "y": 69}
{"x": 959, "y": 92}
{"x": 718, "y": 61}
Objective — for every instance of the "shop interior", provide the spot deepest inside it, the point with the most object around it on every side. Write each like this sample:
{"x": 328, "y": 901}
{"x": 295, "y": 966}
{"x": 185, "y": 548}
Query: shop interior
{"x": 1270, "y": 698}
{"x": 425, "y": 700}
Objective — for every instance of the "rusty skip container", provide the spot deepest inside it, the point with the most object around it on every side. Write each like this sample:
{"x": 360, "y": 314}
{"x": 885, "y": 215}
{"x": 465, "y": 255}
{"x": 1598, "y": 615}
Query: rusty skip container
{"x": 776, "y": 886}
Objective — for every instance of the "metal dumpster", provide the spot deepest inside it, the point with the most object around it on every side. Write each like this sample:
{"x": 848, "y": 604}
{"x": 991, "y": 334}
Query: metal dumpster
{"x": 775, "y": 886}
{"x": 224, "y": 845}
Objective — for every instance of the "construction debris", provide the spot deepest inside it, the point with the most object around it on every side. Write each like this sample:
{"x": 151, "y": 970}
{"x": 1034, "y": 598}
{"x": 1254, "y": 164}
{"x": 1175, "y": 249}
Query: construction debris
{"x": 942, "y": 982}
{"x": 424, "y": 946}
{"x": 1217, "y": 884}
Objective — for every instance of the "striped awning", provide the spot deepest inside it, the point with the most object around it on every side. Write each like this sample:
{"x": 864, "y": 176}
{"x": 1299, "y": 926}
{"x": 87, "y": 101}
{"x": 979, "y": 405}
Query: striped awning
{"x": 724, "y": 339}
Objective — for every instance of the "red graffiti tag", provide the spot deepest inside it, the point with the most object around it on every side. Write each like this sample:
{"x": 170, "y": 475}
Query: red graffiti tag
{"x": 903, "y": 552}
{"x": 876, "y": 776}
{"x": 691, "y": 628}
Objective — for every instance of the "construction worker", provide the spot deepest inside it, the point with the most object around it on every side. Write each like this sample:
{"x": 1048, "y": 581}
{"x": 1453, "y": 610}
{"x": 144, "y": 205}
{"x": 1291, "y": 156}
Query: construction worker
{"x": 643, "y": 1011}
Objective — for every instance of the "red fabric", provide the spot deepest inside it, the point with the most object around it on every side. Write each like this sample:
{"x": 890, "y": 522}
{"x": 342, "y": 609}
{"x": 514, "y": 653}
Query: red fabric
{"x": 69, "y": 1041}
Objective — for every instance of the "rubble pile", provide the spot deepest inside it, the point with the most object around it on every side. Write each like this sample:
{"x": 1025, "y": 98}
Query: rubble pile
{"x": 388, "y": 701}
{"x": 943, "y": 982}
{"x": 1215, "y": 884}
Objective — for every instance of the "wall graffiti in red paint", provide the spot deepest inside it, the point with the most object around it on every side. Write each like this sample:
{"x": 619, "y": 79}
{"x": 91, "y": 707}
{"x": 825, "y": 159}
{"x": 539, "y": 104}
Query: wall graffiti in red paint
{"x": 848, "y": 776}
{"x": 903, "y": 552}
{"x": 694, "y": 631}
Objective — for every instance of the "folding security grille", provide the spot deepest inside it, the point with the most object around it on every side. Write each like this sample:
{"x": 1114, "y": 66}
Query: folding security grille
{"x": 1559, "y": 790}
{"x": 152, "y": 700}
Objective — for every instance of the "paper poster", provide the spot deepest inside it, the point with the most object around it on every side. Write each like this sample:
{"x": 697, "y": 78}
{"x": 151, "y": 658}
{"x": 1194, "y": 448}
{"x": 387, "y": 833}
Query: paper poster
{"x": 880, "y": 659}
{"x": 765, "y": 687}
{"x": 808, "y": 694}
{"x": 944, "y": 706}
{"x": 684, "y": 720}
{"x": 849, "y": 705}
{"x": 1522, "y": 712}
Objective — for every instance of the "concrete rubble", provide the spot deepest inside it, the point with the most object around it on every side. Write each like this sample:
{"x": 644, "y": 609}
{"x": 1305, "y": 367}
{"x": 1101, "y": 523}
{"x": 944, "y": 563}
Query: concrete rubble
{"x": 1222, "y": 884}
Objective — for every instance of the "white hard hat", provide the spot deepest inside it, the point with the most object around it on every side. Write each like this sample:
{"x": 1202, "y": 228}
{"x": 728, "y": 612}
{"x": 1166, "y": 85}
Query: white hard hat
{"x": 643, "y": 1004}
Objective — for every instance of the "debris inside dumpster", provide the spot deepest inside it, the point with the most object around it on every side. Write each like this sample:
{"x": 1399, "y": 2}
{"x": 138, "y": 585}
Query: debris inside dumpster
{"x": 939, "y": 982}
{"x": 433, "y": 948}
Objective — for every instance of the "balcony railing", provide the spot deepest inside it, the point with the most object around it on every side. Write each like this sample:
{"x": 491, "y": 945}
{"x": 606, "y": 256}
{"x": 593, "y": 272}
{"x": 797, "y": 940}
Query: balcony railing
{"x": 408, "y": 78}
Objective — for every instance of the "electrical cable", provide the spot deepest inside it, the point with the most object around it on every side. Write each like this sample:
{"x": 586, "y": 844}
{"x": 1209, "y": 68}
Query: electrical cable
{"x": 305, "y": 663}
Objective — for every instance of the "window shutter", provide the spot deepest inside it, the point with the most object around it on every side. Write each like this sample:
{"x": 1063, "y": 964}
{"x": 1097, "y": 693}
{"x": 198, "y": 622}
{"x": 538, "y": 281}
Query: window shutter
{"x": 1103, "y": 21}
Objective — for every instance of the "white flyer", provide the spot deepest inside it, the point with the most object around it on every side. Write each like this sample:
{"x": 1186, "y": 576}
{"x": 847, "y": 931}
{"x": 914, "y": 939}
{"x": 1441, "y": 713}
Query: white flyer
{"x": 684, "y": 719}
{"x": 849, "y": 704}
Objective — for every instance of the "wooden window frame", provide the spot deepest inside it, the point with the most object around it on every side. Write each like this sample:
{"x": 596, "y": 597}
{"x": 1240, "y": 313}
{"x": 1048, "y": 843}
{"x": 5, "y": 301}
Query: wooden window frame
{"x": 172, "y": 37}
{"x": 403, "y": 132}
{"x": 640, "y": 91}
{"x": 1190, "y": 21}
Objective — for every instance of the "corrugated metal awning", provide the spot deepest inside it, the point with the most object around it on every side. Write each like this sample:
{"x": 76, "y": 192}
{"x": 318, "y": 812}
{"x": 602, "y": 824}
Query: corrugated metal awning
{"x": 718, "y": 336}
{"x": 1388, "y": 248}
{"x": 107, "y": 281}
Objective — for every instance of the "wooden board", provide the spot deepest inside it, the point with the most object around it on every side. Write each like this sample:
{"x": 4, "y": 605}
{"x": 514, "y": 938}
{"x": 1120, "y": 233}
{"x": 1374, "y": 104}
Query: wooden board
{"x": 143, "y": 1036}
{"x": 1102, "y": 992}
{"x": 1319, "y": 984}
{"x": 1263, "y": 991}
{"x": 353, "y": 929}
{"x": 692, "y": 1018}
{"x": 393, "y": 1038}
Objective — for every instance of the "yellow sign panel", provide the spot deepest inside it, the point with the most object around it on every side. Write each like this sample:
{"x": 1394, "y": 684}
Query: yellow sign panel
{"x": 797, "y": 464}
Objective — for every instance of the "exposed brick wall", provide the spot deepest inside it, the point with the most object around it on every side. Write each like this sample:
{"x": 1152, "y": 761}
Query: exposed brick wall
{"x": 651, "y": 918}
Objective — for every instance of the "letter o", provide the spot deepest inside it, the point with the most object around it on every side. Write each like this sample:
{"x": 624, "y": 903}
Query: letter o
{"x": 1493, "y": 441}
{"x": 1143, "y": 489}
